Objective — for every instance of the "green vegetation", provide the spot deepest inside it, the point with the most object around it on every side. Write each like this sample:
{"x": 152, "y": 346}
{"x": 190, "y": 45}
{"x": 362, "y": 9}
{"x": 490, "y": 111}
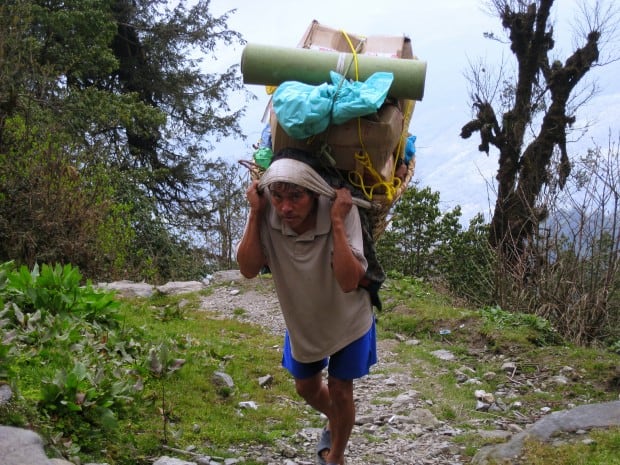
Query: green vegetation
{"x": 601, "y": 448}
{"x": 106, "y": 118}
{"x": 565, "y": 280}
{"x": 113, "y": 380}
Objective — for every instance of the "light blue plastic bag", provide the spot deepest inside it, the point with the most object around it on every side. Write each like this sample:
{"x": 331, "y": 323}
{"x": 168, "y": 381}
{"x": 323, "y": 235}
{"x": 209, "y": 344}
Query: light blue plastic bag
{"x": 304, "y": 110}
{"x": 410, "y": 148}
{"x": 357, "y": 98}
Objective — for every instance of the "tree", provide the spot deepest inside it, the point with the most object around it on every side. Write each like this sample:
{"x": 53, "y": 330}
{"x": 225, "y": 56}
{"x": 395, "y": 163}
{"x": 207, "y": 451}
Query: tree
{"x": 468, "y": 264}
{"x": 107, "y": 111}
{"x": 412, "y": 244}
{"x": 577, "y": 280}
{"x": 227, "y": 211}
{"x": 536, "y": 100}
{"x": 157, "y": 50}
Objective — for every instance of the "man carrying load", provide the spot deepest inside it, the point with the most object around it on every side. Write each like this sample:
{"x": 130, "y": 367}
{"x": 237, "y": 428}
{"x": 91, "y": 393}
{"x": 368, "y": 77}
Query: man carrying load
{"x": 310, "y": 237}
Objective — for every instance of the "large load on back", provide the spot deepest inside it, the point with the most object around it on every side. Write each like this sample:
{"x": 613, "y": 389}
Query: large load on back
{"x": 347, "y": 100}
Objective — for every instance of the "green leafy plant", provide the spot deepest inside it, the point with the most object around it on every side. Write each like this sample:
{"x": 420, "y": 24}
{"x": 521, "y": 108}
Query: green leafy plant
{"x": 50, "y": 322}
{"x": 80, "y": 391}
{"x": 541, "y": 330}
{"x": 57, "y": 290}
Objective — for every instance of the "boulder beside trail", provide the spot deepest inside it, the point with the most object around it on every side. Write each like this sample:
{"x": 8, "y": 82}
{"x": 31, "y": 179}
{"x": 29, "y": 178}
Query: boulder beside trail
{"x": 583, "y": 417}
{"x": 21, "y": 446}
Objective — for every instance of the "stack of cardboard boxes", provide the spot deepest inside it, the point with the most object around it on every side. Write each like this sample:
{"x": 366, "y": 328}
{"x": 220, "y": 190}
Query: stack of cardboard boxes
{"x": 381, "y": 135}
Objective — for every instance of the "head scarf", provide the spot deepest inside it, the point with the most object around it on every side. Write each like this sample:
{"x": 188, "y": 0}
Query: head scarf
{"x": 301, "y": 174}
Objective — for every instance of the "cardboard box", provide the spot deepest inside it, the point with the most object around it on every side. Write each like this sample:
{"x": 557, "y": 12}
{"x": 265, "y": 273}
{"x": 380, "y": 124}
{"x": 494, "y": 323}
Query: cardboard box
{"x": 377, "y": 134}
{"x": 320, "y": 37}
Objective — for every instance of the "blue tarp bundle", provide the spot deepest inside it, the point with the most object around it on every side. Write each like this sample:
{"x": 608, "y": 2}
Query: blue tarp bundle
{"x": 304, "y": 110}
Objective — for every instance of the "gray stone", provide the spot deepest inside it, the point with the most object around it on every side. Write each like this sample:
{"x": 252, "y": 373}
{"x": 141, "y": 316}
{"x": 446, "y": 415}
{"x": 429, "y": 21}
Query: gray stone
{"x": 560, "y": 380}
{"x": 20, "y": 446}
{"x": 6, "y": 393}
{"x": 165, "y": 460}
{"x": 129, "y": 288}
{"x": 443, "y": 354}
{"x": 604, "y": 415}
{"x": 265, "y": 381}
{"x": 424, "y": 417}
{"x": 509, "y": 367}
{"x": 181, "y": 287}
{"x": 248, "y": 405}
{"x": 227, "y": 276}
{"x": 221, "y": 379}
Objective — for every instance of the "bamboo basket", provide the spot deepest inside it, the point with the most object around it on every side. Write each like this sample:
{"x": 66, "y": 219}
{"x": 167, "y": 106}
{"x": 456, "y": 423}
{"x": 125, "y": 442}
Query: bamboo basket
{"x": 379, "y": 214}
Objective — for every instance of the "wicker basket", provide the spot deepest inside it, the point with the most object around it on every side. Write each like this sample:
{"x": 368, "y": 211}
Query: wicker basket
{"x": 382, "y": 206}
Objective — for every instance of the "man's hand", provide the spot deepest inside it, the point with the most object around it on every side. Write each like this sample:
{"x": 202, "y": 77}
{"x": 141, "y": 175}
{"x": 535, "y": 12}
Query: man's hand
{"x": 249, "y": 252}
{"x": 342, "y": 204}
{"x": 347, "y": 268}
{"x": 256, "y": 199}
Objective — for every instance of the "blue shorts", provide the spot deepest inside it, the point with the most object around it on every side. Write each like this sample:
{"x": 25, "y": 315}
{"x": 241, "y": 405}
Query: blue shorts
{"x": 350, "y": 362}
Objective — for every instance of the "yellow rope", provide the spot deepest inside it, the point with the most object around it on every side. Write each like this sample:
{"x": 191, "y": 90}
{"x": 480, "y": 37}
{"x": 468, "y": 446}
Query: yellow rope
{"x": 391, "y": 187}
{"x": 356, "y": 177}
{"x": 354, "y": 51}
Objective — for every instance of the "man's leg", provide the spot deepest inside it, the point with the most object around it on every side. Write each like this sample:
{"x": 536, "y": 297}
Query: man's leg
{"x": 335, "y": 401}
{"x": 342, "y": 417}
{"x": 315, "y": 393}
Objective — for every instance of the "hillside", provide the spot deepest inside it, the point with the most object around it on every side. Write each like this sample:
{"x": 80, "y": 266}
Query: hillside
{"x": 451, "y": 382}
{"x": 408, "y": 410}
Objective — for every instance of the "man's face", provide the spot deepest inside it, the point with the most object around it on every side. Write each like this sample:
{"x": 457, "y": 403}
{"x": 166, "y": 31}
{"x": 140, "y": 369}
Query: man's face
{"x": 295, "y": 206}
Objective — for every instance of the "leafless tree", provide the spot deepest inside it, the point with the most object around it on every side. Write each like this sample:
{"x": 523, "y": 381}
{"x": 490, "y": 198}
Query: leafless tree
{"x": 527, "y": 117}
{"x": 577, "y": 281}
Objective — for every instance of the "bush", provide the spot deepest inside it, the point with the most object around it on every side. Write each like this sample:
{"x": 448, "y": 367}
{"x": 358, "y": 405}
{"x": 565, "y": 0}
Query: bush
{"x": 67, "y": 338}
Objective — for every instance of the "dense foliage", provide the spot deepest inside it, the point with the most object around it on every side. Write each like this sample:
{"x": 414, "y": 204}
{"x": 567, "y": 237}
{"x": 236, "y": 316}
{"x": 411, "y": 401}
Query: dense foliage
{"x": 49, "y": 321}
{"x": 106, "y": 119}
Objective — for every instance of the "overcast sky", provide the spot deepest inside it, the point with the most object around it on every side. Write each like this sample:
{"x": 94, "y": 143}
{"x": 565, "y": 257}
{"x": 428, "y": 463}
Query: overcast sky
{"x": 448, "y": 36}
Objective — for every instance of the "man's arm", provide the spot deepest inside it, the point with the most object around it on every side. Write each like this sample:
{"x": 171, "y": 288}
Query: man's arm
{"x": 347, "y": 268}
{"x": 250, "y": 256}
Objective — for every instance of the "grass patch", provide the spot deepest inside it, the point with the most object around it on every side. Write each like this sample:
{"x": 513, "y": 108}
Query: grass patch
{"x": 602, "y": 447}
{"x": 481, "y": 342}
{"x": 189, "y": 408}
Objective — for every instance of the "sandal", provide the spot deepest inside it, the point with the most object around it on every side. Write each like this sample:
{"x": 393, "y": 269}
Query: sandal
{"x": 325, "y": 443}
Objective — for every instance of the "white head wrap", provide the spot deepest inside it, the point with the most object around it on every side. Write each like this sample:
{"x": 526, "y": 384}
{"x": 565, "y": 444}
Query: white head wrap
{"x": 297, "y": 172}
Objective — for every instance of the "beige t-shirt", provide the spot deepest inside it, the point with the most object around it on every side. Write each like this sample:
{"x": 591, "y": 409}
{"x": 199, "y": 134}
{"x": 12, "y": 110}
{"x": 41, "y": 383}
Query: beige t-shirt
{"x": 320, "y": 317}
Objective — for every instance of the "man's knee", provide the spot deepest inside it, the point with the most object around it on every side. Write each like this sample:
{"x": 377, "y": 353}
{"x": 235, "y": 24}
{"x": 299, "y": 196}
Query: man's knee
{"x": 308, "y": 388}
{"x": 340, "y": 390}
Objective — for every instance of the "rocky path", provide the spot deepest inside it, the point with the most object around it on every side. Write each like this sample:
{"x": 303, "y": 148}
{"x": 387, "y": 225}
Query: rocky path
{"x": 393, "y": 425}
